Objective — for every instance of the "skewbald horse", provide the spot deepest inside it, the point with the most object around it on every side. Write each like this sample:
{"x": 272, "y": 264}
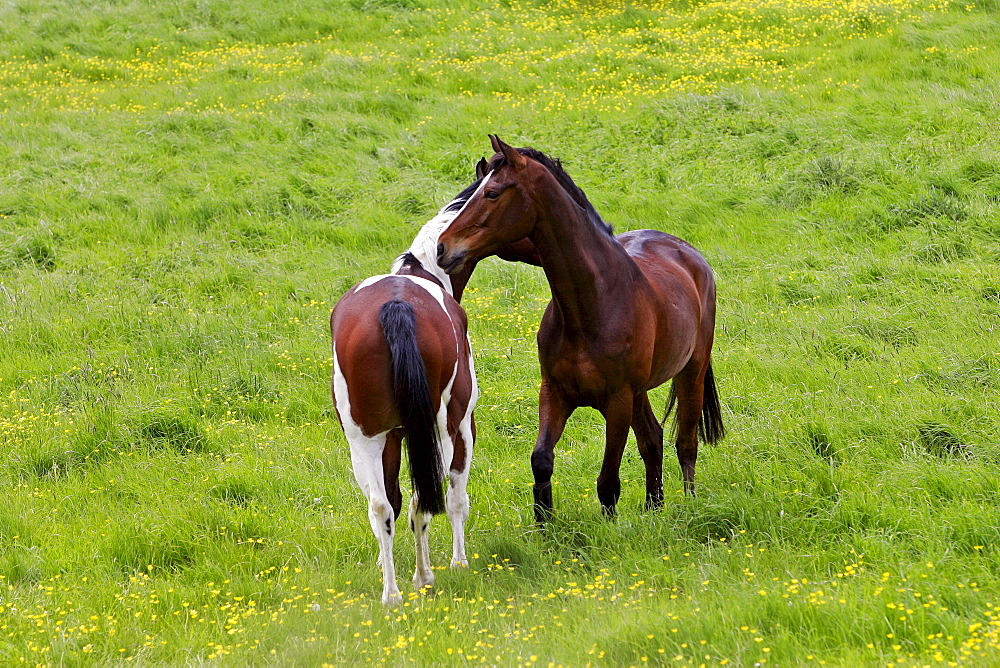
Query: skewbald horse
{"x": 627, "y": 314}
{"x": 402, "y": 367}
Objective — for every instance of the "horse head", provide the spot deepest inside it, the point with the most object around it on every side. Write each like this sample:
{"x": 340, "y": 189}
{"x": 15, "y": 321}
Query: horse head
{"x": 499, "y": 215}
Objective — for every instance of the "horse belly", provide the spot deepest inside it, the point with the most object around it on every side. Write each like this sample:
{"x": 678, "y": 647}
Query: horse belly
{"x": 580, "y": 379}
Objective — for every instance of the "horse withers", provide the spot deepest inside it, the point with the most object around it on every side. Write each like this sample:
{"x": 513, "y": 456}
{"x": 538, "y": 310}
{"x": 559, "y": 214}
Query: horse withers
{"x": 628, "y": 313}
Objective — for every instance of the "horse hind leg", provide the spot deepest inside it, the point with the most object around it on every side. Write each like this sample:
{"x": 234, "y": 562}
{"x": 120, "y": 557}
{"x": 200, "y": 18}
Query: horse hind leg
{"x": 423, "y": 575}
{"x": 366, "y": 457}
{"x": 420, "y": 522}
{"x": 689, "y": 389}
{"x": 390, "y": 469}
{"x": 457, "y": 497}
{"x": 649, "y": 437}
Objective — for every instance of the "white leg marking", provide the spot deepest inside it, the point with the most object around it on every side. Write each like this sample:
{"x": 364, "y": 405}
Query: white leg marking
{"x": 366, "y": 456}
{"x": 457, "y": 498}
{"x": 367, "y": 459}
{"x": 457, "y": 505}
{"x": 420, "y": 522}
{"x": 444, "y": 436}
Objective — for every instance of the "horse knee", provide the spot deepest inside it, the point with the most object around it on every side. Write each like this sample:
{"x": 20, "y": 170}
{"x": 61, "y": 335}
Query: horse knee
{"x": 456, "y": 504}
{"x": 382, "y": 516}
{"x": 541, "y": 464}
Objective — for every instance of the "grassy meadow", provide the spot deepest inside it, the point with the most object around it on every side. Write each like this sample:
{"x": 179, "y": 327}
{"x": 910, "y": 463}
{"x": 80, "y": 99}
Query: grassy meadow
{"x": 187, "y": 187}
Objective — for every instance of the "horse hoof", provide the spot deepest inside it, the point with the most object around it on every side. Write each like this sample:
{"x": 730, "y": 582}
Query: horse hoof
{"x": 460, "y": 563}
{"x": 421, "y": 582}
{"x": 543, "y": 514}
{"x": 392, "y": 600}
{"x": 543, "y": 502}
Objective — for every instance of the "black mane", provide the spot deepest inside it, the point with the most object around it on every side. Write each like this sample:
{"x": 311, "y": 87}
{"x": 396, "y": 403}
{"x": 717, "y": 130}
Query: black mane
{"x": 409, "y": 260}
{"x": 462, "y": 197}
{"x": 556, "y": 168}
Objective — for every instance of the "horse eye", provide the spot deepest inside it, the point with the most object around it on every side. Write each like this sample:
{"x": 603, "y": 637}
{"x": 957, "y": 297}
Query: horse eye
{"x": 491, "y": 194}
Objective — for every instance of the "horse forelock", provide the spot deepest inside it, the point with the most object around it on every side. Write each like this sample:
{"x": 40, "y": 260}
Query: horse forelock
{"x": 556, "y": 169}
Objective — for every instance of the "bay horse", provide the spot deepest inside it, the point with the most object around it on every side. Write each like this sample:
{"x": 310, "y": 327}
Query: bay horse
{"x": 627, "y": 314}
{"x": 403, "y": 367}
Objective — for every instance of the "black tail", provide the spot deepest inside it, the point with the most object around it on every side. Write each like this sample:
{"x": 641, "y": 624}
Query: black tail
{"x": 413, "y": 401}
{"x": 710, "y": 427}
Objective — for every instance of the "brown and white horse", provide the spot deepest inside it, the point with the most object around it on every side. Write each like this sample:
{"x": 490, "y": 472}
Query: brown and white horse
{"x": 402, "y": 367}
{"x": 627, "y": 314}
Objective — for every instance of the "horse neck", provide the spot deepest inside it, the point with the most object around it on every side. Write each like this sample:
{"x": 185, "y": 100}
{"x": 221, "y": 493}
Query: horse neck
{"x": 459, "y": 281}
{"x": 584, "y": 264}
{"x": 424, "y": 249}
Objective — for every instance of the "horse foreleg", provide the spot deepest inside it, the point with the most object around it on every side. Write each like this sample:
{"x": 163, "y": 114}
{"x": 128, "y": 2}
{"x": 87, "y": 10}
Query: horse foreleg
{"x": 553, "y": 411}
{"x": 618, "y": 415}
{"x": 420, "y": 522}
{"x": 366, "y": 456}
{"x": 649, "y": 437}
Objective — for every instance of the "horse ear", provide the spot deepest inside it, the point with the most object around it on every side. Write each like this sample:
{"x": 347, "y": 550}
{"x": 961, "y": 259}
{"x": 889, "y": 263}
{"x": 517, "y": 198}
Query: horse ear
{"x": 509, "y": 152}
{"x": 481, "y": 168}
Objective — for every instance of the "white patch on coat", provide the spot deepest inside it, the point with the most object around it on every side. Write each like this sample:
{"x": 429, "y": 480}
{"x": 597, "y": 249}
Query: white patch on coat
{"x": 430, "y": 286}
{"x": 366, "y": 458}
{"x": 424, "y": 248}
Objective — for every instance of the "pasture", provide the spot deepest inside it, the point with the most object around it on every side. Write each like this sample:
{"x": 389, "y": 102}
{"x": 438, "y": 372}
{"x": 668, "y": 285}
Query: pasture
{"x": 186, "y": 188}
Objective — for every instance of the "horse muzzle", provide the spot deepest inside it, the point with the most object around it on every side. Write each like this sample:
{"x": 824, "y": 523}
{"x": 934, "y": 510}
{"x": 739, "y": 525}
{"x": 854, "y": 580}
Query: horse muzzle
{"x": 450, "y": 262}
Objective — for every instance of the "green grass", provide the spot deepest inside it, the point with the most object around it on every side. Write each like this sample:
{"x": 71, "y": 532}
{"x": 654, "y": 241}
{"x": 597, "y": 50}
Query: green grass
{"x": 187, "y": 188}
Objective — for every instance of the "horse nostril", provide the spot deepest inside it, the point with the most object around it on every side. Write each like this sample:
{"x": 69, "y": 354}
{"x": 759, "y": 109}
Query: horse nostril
{"x": 440, "y": 251}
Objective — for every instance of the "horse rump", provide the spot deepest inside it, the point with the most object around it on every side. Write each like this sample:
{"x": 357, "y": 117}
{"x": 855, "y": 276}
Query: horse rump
{"x": 413, "y": 402}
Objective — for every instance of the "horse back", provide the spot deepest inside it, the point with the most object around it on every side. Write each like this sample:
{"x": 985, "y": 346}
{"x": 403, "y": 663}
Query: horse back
{"x": 667, "y": 255}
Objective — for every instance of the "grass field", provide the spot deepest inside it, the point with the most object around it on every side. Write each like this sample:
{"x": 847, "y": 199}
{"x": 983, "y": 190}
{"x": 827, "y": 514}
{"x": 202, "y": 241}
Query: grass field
{"x": 187, "y": 187}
